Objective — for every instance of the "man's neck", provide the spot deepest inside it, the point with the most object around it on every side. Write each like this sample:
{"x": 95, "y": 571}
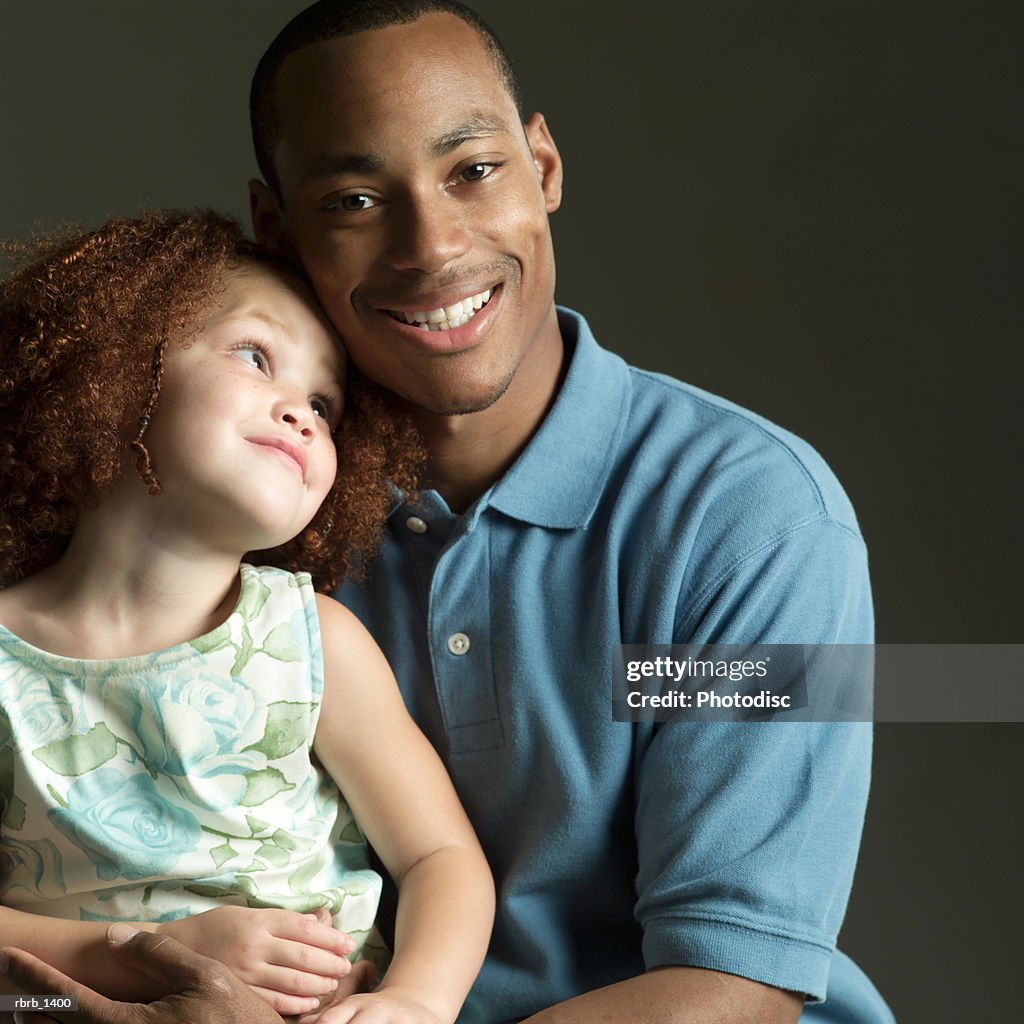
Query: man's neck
{"x": 469, "y": 453}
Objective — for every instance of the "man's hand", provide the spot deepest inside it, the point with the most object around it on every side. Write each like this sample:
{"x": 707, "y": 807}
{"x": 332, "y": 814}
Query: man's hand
{"x": 201, "y": 991}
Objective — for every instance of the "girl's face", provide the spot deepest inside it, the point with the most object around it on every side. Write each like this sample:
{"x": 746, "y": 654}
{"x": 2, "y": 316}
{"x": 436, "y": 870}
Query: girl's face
{"x": 241, "y": 437}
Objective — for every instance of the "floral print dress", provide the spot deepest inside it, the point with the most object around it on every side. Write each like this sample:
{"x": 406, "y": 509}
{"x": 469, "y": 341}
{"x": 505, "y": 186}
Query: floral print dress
{"x": 155, "y": 787}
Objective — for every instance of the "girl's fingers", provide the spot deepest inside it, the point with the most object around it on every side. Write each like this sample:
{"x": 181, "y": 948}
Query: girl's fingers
{"x": 291, "y": 980}
{"x": 340, "y": 1014}
{"x": 286, "y": 979}
{"x": 305, "y": 959}
{"x": 360, "y": 979}
{"x": 286, "y": 1004}
{"x": 308, "y": 928}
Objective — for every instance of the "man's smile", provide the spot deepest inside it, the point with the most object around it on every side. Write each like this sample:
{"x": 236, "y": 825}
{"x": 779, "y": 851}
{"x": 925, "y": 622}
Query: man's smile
{"x": 442, "y": 324}
{"x": 445, "y": 318}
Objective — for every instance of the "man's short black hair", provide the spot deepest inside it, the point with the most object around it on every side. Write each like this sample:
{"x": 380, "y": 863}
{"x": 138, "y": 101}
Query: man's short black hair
{"x": 330, "y": 19}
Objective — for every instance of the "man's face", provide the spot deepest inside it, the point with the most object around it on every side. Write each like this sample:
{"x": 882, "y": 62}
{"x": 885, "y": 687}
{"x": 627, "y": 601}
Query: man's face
{"x": 411, "y": 193}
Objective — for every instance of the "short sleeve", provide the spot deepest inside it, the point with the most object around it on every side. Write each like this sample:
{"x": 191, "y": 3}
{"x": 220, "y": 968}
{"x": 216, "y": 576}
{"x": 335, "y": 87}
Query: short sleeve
{"x": 748, "y": 832}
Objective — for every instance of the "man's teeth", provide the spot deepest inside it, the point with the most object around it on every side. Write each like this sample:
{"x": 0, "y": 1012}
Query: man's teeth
{"x": 448, "y": 317}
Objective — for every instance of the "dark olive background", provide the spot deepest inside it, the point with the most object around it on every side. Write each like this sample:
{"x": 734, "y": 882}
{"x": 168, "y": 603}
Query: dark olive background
{"x": 812, "y": 208}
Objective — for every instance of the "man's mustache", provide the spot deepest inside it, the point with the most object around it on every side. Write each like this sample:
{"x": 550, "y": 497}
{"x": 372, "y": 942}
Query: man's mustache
{"x": 507, "y": 268}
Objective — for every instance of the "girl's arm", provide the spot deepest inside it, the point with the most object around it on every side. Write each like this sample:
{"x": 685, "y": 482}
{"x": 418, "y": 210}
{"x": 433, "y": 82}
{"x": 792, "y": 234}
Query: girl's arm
{"x": 76, "y": 948}
{"x": 289, "y": 959}
{"x": 403, "y": 800}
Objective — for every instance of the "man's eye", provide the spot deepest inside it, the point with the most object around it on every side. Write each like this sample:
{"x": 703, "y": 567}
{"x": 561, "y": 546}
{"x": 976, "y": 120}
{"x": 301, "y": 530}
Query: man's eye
{"x": 354, "y": 202}
{"x": 254, "y": 356}
{"x": 476, "y": 172}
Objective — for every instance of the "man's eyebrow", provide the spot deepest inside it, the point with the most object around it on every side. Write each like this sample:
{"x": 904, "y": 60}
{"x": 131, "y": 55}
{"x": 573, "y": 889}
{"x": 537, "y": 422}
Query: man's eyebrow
{"x": 474, "y": 127}
{"x": 328, "y": 165}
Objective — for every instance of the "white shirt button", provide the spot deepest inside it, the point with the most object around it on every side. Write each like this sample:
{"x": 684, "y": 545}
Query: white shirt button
{"x": 416, "y": 524}
{"x": 458, "y": 643}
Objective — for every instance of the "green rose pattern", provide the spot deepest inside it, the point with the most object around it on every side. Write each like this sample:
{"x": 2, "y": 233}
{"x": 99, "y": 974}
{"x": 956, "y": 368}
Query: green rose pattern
{"x": 154, "y": 787}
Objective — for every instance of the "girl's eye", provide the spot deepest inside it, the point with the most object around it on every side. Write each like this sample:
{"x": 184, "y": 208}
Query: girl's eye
{"x": 254, "y": 356}
{"x": 320, "y": 408}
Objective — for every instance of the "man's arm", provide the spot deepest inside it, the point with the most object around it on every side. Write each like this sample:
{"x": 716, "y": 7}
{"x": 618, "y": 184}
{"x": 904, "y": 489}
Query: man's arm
{"x": 200, "y": 990}
{"x": 203, "y": 991}
{"x": 747, "y": 833}
{"x": 678, "y": 995}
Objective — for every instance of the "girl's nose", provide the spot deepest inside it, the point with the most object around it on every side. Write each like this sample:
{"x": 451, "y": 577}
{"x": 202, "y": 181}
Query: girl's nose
{"x": 297, "y": 415}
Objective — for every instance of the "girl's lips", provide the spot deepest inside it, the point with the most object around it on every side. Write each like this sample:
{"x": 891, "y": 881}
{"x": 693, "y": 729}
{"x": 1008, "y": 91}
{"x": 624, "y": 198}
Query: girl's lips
{"x": 457, "y": 339}
{"x": 286, "y": 449}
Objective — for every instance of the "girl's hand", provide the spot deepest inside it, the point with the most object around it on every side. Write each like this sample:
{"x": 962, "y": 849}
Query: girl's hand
{"x": 361, "y": 978}
{"x": 389, "y": 1006}
{"x": 291, "y": 960}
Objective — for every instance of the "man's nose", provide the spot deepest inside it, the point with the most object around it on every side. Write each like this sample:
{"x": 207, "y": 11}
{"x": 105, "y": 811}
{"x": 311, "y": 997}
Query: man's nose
{"x": 429, "y": 232}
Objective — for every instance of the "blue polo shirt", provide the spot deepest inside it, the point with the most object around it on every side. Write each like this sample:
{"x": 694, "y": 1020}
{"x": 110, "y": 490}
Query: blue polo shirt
{"x": 642, "y": 511}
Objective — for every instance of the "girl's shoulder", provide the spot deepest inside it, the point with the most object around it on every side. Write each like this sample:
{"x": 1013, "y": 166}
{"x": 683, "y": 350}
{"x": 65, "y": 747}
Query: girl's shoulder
{"x": 273, "y": 576}
{"x": 336, "y": 615}
{"x": 265, "y": 586}
{"x": 346, "y": 643}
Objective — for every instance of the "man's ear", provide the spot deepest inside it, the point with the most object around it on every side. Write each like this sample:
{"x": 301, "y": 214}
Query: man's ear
{"x": 268, "y": 218}
{"x": 546, "y": 160}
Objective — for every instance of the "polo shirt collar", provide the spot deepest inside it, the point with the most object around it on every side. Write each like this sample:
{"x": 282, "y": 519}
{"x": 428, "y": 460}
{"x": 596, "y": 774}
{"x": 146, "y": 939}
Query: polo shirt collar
{"x": 558, "y": 479}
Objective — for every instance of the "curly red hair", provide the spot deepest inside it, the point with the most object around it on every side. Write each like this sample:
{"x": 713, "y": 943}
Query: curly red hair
{"x": 85, "y": 321}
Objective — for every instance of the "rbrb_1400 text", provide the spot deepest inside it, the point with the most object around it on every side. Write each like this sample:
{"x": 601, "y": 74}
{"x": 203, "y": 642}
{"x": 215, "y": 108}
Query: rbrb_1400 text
{"x": 42, "y": 1004}
{"x": 708, "y": 699}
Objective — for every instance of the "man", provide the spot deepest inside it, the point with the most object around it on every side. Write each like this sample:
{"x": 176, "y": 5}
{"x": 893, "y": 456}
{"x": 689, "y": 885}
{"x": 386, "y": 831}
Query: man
{"x": 676, "y": 872}
{"x": 571, "y": 504}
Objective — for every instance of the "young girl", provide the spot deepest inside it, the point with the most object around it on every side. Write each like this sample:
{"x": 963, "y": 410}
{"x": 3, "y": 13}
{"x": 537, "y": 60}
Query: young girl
{"x": 170, "y": 400}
